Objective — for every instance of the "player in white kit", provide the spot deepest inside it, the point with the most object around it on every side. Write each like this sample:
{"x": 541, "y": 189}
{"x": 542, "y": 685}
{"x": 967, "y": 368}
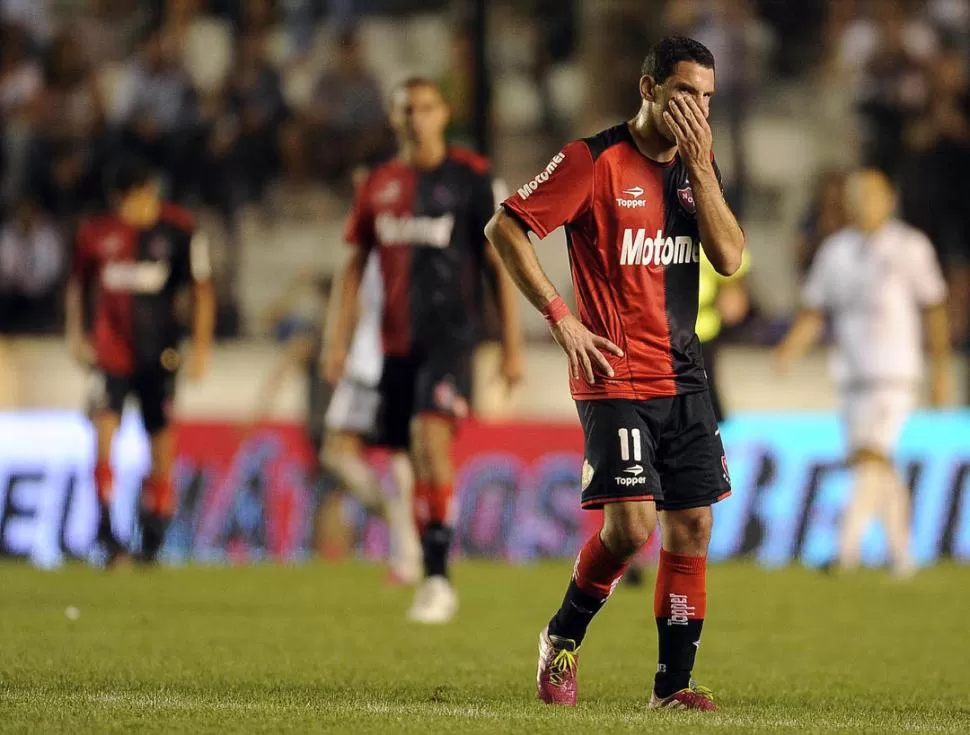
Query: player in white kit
{"x": 880, "y": 282}
{"x": 352, "y": 422}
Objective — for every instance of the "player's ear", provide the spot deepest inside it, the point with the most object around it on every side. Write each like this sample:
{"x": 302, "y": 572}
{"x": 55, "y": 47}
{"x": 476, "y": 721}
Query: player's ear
{"x": 648, "y": 88}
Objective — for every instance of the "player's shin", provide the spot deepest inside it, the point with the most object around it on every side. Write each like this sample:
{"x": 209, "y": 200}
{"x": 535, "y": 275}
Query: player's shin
{"x": 595, "y": 575}
{"x": 405, "y": 558}
{"x": 859, "y": 511}
{"x": 680, "y": 603}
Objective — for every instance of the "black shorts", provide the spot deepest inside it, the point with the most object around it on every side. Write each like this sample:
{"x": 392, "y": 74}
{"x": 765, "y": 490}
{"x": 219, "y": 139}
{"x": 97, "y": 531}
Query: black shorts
{"x": 434, "y": 382}
{"x": 667, "y": 450}
{"x": 153, "y": 387}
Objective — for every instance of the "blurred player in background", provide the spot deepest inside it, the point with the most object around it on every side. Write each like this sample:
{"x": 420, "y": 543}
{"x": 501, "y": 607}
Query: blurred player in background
{"x": 353, "y": 422}
{"x": 876, "y": 277}
{"x": 637, "y": 201}
{"x": 138, "y": 258}
{"x": 423, "y": 213}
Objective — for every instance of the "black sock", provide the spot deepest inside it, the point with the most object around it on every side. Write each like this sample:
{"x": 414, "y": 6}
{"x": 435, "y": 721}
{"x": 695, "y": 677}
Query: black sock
{"x": 104, "y": 523}
{"x": 678, "y": 648}
{"x": 575, "y": 614}
{"x": 153, "y": 527}
{"x": 435, "y": 542}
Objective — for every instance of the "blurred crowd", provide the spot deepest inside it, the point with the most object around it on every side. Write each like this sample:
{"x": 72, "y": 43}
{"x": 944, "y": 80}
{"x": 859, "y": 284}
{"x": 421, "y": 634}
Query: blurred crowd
{"x": 233, "y": 101}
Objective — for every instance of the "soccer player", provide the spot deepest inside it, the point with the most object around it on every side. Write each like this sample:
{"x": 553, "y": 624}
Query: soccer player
{"x": 638, "y": 201}
{"x": 352, "y": 422}
{"x": 876, "y": 278}
{"x": 424, "y": 213}
{"x": 138, "y": 258}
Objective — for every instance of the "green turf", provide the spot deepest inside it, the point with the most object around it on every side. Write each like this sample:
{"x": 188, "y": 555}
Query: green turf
{"x": 326, "y": 649}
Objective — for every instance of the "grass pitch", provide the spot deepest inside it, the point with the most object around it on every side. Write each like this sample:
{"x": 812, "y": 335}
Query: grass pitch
{"x": 326, "y": 649}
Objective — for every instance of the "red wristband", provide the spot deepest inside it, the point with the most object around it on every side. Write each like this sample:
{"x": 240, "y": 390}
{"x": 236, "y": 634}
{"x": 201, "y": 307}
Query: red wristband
{"x": 555, "y": 311}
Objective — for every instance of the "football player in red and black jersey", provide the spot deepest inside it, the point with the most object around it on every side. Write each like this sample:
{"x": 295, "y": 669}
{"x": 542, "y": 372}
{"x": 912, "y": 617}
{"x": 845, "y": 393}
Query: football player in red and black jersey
{"x": 137, "y": 259}
{"x": 424, "y": 213}
{"x": 638, "y": 201}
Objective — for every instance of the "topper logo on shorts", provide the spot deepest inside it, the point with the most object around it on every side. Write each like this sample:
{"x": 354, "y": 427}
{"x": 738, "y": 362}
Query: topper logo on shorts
{"x": 542, "y": 177}
{"x": 638, "y": 249}
{"x": 680, "y": 611}
{"x": 636, "y": 477}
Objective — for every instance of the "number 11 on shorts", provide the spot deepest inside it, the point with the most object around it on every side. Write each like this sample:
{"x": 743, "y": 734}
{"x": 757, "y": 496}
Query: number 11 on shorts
{"x": 625, "y": 436}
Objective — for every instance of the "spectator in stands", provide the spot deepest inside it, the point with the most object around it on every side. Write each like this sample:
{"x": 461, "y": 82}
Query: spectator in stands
{"x": 256, "y": 101}
{"x": 20, "y": 84}
{"x": 108, "y": 29}
{"x": 158, "y": 112}
{"x": 825, "y": 216}
{"x": 68, "y": 151}
{"x": 32, "y": 267}
{"x": 348, "y": 112}
{"x": 892, "y": 92}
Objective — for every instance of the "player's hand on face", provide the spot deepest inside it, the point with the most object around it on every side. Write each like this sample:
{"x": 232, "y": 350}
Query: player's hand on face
{"x": 583, "y": 349}
{"x": 691, "y": 130}
{"x": 332, "y": 364}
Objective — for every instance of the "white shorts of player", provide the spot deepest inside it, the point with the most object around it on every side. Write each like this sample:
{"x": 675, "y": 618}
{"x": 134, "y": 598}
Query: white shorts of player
{"x": 353, "y": 408}
{"x": 874, "y": 415}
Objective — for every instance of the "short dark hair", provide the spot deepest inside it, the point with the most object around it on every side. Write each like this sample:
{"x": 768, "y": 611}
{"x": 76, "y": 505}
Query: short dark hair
{"x": 128, "y": 173}
{"x": 665, "y": 55}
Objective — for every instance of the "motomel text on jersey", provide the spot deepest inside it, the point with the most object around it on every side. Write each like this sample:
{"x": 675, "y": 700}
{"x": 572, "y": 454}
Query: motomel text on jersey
{"x": 638, "y": 249}
{"x": 526, "y": 191}
{"x": 147, "y": 278}
{"x": 432, "y": 232}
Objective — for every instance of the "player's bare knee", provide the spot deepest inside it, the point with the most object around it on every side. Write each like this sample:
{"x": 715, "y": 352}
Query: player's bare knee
{"x": 687, "y": 531}
{"x": 627, "y": 527}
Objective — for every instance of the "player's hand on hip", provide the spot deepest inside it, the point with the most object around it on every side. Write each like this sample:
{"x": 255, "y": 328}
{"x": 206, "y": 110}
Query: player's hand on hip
{"x": 333, "y": 363}
{"x": 695, "y": 141}
{"x": 583, "y": 349}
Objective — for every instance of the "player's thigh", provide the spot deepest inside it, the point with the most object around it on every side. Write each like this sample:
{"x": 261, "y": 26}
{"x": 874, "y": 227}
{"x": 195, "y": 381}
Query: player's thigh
{"x": 690, "y": 459}
{"x": 155, "y": 389}
{"x": 619, "y": 452}
{"x": 396, "y": 404}
{"x": 353, "y": 408}
{"x": 874, "y": 418}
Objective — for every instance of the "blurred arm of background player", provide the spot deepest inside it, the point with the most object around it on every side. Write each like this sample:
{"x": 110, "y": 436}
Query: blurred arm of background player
{"x": 937, "y": 328}
{"x": 513, "y": 358}
{"x": 805, "y": 332}
{"x": 343, "y": 317}
{"x": 77, "y": 341}
{"x": 203, "y": 325}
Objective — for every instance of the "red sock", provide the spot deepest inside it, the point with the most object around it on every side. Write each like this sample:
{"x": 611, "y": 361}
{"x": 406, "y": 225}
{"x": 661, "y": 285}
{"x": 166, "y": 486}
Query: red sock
{"x": 439, "y": 505}
{"x": 422, "y": 511}
{"x": 597, "y": 570}
{"x": 104, "y": 482}
{"x": 160, "y": 496}
{"x": 679, "y": 605}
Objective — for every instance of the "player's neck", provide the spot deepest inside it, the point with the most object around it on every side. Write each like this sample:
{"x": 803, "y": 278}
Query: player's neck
{"x": 425, "y": 156}
{"x": 648, "y": 139}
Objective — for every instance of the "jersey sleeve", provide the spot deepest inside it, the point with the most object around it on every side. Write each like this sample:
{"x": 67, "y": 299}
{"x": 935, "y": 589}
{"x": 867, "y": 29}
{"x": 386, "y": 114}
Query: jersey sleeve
{"x": 924, "y": 271}
{"x": 558, "y": 194}
{"x": 817, "y": 291}
{"x": 359, "y": 230}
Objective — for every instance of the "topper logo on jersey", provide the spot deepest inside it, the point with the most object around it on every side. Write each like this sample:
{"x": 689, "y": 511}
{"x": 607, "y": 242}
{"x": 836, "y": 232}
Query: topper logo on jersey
{"x": 147, "y": 278}
{"x": 638, "y": 249}
{"x": 432, "y": 232}
{"x": 542, "y": 177}
{"x": 636, "y": 192}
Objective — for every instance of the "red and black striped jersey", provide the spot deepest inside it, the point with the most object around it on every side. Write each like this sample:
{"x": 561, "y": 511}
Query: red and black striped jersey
{"x": 634, "y": 252}
{"x": 428, "y": 228}
{"x": 136, "y": 274}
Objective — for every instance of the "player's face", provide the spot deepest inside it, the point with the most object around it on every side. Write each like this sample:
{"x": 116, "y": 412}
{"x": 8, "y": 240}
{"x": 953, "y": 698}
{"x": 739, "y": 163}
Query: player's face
{"x": 869, "y": 200}
{"x": 140, "y": 206}
{"x": 688, "y": 79}
{"x": 419, "y": 115}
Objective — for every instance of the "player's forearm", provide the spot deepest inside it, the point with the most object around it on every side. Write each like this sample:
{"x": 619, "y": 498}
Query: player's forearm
{"x": 204, "y": 318}
{"x": 804, "y": 333}
{"x": 937, "y": 326}
{"x": 721, "y": 235}
{"x": 341, "y": 319}
{"x": 74, "y": 312}
{"x": 516, "y": 251}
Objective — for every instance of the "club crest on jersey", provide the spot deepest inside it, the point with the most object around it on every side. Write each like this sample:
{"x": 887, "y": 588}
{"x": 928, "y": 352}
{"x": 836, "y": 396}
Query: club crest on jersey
{"x": 685, "y": 195}
{"x": 111, "y": 245}
{"x": 388, "y": 194}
